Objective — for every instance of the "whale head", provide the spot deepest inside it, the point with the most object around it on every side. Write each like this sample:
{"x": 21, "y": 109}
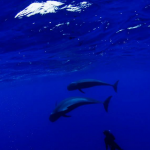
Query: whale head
{"x": 72, "y": 86}
{"x": 54, "y": 116}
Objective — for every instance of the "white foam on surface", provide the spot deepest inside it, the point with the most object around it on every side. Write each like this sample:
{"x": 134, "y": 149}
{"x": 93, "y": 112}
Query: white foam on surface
{"x": 50, "y": 7}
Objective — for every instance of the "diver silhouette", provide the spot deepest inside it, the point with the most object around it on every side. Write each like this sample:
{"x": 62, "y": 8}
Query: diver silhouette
{"x": 109, "y": 141}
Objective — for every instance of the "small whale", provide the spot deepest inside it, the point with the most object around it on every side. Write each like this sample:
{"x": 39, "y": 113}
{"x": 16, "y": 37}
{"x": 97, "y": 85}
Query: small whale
{"x": 70, "y": 104}
{"x": 87, "y": 83}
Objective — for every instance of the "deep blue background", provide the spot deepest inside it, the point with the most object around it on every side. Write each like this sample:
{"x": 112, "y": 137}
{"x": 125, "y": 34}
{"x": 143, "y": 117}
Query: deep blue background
{"x": 37, "y": 64}
{"x": 26, "y": 106}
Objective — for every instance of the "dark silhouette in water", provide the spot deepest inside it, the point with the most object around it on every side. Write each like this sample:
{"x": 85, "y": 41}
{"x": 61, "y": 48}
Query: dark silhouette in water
{"x": 69, "y": 104}
{"x": 87, "y": 83}
{"x": 109, "y": 141}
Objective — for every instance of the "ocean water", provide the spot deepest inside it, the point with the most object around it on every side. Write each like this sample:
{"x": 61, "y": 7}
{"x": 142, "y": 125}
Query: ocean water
{"x": 46, "y": 45}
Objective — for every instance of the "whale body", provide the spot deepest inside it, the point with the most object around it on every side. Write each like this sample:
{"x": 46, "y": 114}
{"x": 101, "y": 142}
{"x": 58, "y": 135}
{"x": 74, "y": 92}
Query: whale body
{"x": 69, "y": 104}
{"x": 87, "y": 83}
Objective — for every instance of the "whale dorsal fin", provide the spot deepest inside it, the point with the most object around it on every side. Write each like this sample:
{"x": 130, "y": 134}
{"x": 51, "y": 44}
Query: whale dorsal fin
{"x": 81, "y": 91}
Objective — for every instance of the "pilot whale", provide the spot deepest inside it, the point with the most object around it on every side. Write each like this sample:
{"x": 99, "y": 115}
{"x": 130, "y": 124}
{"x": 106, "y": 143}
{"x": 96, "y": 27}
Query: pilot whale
{"x": 70, "y": 104}
{"x": 87, "y": 83}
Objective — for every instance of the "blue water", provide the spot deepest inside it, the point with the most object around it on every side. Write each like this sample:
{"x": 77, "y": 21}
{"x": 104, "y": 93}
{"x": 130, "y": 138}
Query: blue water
{"x": 45, "y": 47}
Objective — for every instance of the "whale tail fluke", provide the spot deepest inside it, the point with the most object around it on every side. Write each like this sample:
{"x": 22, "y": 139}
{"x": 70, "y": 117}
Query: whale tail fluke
{"x": 115, "y": 86}
{"x": 106, "y": 103}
